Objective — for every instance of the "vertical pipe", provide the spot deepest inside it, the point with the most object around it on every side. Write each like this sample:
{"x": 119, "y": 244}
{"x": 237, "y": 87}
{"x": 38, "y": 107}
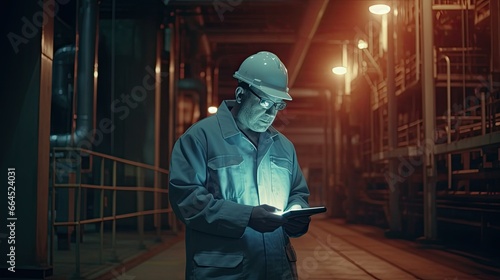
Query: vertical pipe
{"x": 337, "y": 140}
{"x": 483, "y": 113}
{"x": 172, "y": 90}
{"x": 370, "y": 36}
{"x": 418, "y": 134}
{"x": 464, "y": 45}
{"x": 448, "y": 114}
{"x": 209, "y": 83}
{"x": 417, "y": 39}
{"x": 113, "y": 57}
{"x": 381, "y": 127}
{"x": 85, "y": 80}
{"x": 347, "y": 75}
{"x": 395, "y": 217}
{"x": 494, "y": 75}
{"x": 329, "y": 152}
{"x": 495, "y": 40}
{"x": 428, "y": 108}
{"x": 372, "y": 140}
{"x": 172, "y": 103}
{"x": 156, "y": 195}
{"x": 215, "y": 100}
{"x": 448, "y": 96}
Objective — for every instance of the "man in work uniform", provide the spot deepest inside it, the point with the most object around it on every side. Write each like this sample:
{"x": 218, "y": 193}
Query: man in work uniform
{"x": 230, "y": 171}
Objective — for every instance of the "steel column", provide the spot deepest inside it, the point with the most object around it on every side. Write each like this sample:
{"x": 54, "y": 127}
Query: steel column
{"x": 392, "y": 129}
{"x": 428, "y": 109}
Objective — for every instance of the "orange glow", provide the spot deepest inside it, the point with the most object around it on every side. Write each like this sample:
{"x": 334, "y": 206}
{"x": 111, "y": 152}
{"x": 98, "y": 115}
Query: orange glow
{"x": 339, "y": 70}
{"x": 379, "y": 9}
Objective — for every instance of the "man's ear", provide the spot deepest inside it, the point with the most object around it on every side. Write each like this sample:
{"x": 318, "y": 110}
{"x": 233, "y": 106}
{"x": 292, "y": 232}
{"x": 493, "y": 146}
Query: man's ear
{"x": 238, "y": 93}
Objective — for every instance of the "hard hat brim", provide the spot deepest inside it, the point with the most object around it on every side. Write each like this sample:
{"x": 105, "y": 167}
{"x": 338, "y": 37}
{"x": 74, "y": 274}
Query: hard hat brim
{"x": 267, "y": 90}
{"x": 275, "y": 93}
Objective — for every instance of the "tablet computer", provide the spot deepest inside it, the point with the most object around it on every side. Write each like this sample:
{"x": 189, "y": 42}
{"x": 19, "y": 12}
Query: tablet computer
{"x": 293, "y": 213}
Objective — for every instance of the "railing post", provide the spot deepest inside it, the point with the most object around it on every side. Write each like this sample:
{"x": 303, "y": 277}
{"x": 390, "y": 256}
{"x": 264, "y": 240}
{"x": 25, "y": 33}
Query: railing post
{"x": 101, "y": 215}
{"x": 174, "y": 218}
{"x": 77, "y": 218}
{"x": 53, "y": 208}
{"x": 140, "y": 208}
{"x": 418, "y": 134}
{"x": 114, "y": 256}
{"x": 157, "y": 198}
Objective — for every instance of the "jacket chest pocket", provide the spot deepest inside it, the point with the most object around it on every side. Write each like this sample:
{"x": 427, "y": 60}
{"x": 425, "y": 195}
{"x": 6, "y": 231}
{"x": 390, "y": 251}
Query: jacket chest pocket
{"x": 226, "y": 176}
{"x": 281, "y": 171}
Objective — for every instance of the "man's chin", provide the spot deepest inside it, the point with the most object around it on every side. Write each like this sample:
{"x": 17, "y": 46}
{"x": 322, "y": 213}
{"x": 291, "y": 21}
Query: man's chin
{"x": 261, "y": 128}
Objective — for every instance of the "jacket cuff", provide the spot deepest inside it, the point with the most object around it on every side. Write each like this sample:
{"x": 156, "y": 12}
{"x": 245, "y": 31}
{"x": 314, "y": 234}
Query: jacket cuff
{"x": 234, "y": 218}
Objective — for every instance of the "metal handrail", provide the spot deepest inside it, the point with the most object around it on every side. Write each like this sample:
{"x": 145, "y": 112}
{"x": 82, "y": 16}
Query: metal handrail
{"x": 118, "y": 188}
{"x": 122, "y": 216}
{"x": 78, "y": 186}
{"x": 469, "y": 122}
{"x": 113, "y": 158}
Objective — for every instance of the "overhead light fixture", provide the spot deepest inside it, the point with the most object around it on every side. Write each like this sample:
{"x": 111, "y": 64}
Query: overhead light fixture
{"x": 362, "y": 44}
{"x": 339, "y": 70}
{"x": 379, "y": 9}
{"x": 212, "y": 110}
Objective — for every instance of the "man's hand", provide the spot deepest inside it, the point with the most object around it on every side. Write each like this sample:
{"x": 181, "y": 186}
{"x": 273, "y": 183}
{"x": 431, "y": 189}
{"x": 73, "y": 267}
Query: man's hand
{"x": 297, "y": 225}
{"x": 263, "y": 220}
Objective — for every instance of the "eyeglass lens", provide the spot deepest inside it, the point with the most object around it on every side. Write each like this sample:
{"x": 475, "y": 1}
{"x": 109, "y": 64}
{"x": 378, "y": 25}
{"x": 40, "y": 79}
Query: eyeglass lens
{"x": 266, "y": 104}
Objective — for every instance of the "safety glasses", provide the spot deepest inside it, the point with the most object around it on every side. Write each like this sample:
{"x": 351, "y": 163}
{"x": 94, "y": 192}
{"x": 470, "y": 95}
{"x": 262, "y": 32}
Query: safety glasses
{"x": 266, "y": 103}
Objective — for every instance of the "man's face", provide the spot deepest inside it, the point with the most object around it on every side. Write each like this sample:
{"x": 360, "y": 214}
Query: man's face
{"x": 255, "y": 117}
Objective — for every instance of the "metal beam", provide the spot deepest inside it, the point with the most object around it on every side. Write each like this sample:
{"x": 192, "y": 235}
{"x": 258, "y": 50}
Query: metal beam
{"x": 190, "y": 3}
{"x": 408, "y": 151}
{"x": 468, "y": 143}
{"x": 461, "y": 145}
{"x": 312, "y": 18}
{"x": 246, "y": 37}
{"x": 452, "y": 7}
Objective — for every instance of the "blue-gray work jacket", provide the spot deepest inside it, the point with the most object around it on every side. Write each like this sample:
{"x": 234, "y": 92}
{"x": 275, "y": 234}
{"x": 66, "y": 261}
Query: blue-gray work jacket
{"x": 216, "y": 176}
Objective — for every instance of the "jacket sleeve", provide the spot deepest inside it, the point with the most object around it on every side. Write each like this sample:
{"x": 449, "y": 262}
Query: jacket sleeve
{"x": 191, "y": 201}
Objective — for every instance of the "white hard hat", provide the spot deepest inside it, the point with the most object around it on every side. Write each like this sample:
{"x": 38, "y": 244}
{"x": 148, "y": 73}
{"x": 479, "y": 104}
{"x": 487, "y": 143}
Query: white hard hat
{"x": 265, "y": 71}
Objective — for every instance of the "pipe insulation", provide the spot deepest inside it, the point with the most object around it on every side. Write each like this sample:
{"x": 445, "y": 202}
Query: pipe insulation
{"x": 84, "y": 76}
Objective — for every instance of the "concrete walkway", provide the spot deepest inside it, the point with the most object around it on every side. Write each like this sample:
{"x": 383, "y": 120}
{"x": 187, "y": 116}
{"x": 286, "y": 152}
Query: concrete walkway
{"x": 333, "y": 250}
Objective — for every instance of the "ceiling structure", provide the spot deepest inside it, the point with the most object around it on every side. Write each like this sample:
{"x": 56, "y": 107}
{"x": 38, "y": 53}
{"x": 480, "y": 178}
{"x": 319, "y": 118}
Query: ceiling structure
{"x": 306, "y": 34}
